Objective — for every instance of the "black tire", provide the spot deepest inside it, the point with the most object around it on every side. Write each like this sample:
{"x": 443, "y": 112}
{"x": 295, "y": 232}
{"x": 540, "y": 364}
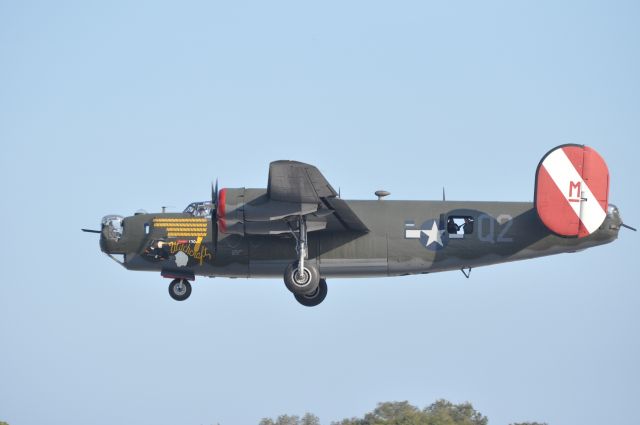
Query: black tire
{"x": 312, "y": 300}
{"x": 179, "y": 289}
{"x": 301, "y": 285}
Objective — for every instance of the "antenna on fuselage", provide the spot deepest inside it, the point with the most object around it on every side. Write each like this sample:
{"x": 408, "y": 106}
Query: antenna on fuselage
{"x": 381, "y": 194}
{"x": 443, "y": 197}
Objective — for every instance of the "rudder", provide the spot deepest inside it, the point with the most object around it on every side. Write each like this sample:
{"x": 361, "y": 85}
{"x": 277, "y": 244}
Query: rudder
{"x": 572, "y": 190}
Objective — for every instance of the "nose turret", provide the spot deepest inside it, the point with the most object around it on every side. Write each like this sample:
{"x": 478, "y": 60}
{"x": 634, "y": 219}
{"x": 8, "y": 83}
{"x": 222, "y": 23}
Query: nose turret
{"x": 112, "y": 231}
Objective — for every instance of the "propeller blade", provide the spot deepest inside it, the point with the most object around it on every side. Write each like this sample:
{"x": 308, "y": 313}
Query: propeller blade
{"x": 628, "y": 227}
{"x": 91, "y": 231}
{"x": 214, "y": 193}
{"x": 214, "y": 201}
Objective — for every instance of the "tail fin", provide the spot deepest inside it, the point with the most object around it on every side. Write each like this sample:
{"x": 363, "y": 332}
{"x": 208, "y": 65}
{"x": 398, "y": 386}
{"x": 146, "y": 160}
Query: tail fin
{"x": 572, "y": 190}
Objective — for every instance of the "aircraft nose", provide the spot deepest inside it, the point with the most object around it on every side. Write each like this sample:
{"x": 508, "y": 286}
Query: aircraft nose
{"x": 112, "y": 232}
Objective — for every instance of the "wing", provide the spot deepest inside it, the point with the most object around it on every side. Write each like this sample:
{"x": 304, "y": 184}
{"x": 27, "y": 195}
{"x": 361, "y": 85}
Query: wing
{"x": 296, "y": 189}
{"x": 292, "y": 181}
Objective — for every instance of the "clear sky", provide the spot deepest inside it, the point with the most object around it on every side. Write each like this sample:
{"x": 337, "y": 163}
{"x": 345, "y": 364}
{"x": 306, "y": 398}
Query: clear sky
{"x": 109, "y": 107}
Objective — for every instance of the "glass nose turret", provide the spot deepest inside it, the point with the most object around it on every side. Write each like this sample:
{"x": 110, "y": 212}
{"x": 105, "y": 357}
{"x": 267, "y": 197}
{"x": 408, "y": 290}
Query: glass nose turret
{"x": 112, "y": 227}
{"x": 111, "y": 239}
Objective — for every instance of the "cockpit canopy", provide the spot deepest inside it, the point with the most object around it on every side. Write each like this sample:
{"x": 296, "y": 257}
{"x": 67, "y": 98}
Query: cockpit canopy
{"x": 113, "y": 227}
{"x": 199, "y": 209}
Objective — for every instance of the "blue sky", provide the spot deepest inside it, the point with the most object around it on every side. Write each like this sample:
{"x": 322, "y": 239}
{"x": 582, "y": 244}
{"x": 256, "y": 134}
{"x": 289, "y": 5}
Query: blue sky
{"x": 109, "y": 107}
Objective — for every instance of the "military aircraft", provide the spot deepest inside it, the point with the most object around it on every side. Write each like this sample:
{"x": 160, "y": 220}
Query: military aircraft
{"x": 300, "y": 228}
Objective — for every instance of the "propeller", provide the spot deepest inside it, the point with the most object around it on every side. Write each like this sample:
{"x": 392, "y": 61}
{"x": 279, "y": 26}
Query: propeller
{"x": 214, "y": 195}
{"x": 214, "y": 212}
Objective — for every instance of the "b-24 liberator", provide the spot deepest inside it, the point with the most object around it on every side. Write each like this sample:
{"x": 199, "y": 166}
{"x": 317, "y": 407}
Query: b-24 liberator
{"x": 300, "y": 229}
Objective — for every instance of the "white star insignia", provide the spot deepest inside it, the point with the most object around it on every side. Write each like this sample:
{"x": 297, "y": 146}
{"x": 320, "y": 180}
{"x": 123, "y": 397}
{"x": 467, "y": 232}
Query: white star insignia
{"x": 434, "y": 235}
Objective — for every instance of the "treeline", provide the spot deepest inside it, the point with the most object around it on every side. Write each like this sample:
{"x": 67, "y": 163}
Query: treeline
{"x": 442, "y": 412}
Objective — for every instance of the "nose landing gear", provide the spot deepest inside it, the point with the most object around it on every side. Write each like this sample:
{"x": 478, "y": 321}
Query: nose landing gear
{"x": 179, "y": 289}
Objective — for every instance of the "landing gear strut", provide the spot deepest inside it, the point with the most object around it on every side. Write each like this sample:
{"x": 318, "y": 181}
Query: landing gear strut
{"x": 179, "y": 289}
{"x": 301, "y": 278}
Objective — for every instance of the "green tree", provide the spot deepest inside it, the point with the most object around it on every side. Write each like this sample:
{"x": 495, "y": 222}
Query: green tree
{"x": 352, "y": 421}
{"x": 307, "y": 419}
{"x": 441, "y": 412}
{"x": 310, "y": 419}
{"x": 394, "y": 412}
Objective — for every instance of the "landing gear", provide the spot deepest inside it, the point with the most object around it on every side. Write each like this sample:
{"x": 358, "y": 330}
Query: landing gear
{"x": 301, "y": 278}
{"x": 301, "y": 283}
{"x": 316, "y": 297}
{"x": 179, "y": 289}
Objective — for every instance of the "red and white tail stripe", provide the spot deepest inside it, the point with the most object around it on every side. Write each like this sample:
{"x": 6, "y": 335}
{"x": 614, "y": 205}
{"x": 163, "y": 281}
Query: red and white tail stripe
{"x": 572, "y": 189}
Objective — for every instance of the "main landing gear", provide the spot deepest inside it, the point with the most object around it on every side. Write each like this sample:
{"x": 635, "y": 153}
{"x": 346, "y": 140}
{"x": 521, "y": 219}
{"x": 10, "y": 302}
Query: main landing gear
{"x": 314, "y": 298}
{"x": 303, "y": 279}
{"x": 179, "y": 289}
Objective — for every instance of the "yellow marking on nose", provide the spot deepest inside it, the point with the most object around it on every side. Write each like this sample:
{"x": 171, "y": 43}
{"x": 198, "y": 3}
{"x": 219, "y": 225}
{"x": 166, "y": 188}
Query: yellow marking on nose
{"x": 179, "y": 220}
{"x": 182, "y": 227}
{"x": 196, "y": 248}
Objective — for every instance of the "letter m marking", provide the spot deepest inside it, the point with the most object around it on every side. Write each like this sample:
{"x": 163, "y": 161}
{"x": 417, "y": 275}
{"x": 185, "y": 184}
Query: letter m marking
{"x": 576, "y": 186}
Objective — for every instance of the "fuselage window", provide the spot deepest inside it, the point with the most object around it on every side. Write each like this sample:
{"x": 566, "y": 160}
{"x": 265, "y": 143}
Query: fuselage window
{"x": 459, "y": 225}
{"x": 146, "y": 228}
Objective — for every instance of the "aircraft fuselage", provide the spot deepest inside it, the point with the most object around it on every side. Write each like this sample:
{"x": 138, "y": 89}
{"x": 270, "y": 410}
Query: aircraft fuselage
{"x": 404, "y": 237}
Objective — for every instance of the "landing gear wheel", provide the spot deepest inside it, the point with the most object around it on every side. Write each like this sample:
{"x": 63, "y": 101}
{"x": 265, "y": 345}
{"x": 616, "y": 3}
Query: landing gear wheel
{"x": 315, "y": 298}
{"x": 301, "y": 283}
{"x": 179, "y": 289}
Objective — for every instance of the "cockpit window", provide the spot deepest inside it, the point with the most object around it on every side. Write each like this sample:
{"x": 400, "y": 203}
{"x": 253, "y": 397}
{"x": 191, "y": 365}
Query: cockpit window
{"x": 114, "y": 227}
{"x": 199, "y": 209}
